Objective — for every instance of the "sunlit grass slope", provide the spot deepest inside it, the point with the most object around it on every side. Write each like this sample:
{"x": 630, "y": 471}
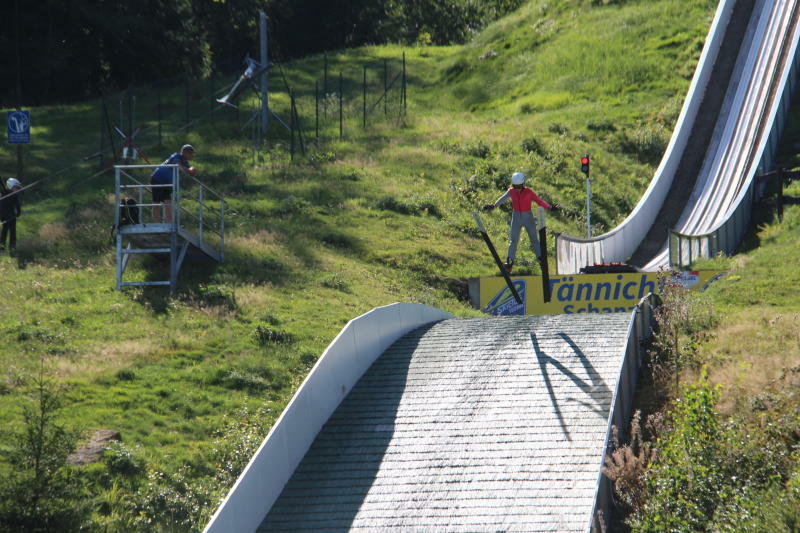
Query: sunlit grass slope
{"x": 378, "y": 217}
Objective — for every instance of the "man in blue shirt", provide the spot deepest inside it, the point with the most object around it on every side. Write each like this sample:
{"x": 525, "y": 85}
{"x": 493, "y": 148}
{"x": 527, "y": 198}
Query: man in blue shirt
{"x": 163, "y": 176}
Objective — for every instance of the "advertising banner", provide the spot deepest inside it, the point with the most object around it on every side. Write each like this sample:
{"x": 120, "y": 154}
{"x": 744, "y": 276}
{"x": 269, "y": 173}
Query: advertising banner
{"x": 582, "y": 293}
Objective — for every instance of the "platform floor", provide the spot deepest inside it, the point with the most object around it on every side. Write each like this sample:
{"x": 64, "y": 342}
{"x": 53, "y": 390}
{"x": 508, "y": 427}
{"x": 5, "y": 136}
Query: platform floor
{"x": 468, "y": 425}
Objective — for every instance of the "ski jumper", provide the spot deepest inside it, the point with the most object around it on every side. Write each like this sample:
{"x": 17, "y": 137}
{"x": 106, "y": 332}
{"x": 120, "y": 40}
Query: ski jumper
{"x": 522, "y": 217}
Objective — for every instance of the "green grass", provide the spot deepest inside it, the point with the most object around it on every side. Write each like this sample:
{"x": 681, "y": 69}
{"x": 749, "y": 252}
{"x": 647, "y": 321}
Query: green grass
{"x": 381, "y": 216}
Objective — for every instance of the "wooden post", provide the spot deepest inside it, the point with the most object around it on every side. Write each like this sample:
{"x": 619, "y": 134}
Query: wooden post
{"x": 316, "y": 111}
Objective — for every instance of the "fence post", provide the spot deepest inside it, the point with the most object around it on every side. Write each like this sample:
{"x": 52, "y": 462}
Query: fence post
{"x": 291, "y": 123}
{"x": 211, "y": 96}
{"x": 341, "y": 116}
{"x": 186, "y": 87}
{"x": 316, "y": 111}
{"x": 130, "y": 113}
{"x": 325, "y": 87}
{"x": 364, "y": 99}
{"x": 200, "y": 212}
{"x": 403, "y": 95}
{"x": 385, "y": 86}
{"x": 102, "y": 140}
{"x": 158, "y": 109}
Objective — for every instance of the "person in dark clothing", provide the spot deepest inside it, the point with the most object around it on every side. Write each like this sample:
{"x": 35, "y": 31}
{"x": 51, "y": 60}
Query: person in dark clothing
{"x": 10, "y": 210}
{"x": 163, "y": 176}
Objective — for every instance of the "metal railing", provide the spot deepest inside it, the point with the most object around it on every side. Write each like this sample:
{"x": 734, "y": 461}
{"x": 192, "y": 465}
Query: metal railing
{"x": 194, "y": 206}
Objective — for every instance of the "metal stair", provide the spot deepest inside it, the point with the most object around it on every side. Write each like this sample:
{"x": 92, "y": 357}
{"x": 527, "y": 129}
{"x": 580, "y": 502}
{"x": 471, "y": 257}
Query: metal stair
{"x": 196, "y": 233}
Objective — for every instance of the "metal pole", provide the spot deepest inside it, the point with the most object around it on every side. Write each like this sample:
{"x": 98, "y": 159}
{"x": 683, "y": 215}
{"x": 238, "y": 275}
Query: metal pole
{"x": 158, "y": 109}
{"x": 364, "y": 98}
{"x": 130, "y": 112}
{"x": 264, "y": 79}
{"x": 200, "y": 212}
{"x": 186, "y": 84}
{"x": 385, "y": 86}
{"x": 341, "y": 117}
{"x": 325, "y": 86}
{"x": 588, "y": 206}
{"x": 291, "y": 124}
{"x": 20, "y": 168}
{"x": 211, "y": 94}
{"x": 404, "y": 94}
{"x": 116, "y": 227}
{"x": 102, "y": 139}
{"x": 222, "y": 229}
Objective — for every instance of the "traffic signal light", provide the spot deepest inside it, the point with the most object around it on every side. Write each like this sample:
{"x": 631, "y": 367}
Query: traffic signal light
{"x": 585, "y": 164}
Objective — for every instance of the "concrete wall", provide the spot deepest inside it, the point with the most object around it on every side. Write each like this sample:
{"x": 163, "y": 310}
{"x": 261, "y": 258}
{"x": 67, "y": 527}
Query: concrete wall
{"x": 356, "y": 347}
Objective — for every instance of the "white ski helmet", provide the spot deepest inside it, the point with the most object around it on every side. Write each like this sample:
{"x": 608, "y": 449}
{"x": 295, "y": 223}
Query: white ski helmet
{"x": 13, "y": 182}
{"x": 517, "y": 178}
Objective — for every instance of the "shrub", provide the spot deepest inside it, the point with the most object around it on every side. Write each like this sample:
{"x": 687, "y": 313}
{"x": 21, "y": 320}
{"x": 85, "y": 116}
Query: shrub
{"x": 532, "y": 145}
{"x": 121, "y": 460}
{"x": 291, "y": 206}
{"x": 414, "y": 205}
{"x": 626, "y": 465}
{"x": 687, "y": 481}
{"x": 264, "y": 335}
{"x": 647, "y": 142}
{"x": 683, "y": 321}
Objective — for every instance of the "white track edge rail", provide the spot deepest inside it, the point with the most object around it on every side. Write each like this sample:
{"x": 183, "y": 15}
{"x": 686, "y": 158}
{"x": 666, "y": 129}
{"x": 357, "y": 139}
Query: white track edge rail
{"x": 339, "y": 368}
{"x": 639, "y": 330}
{"x": 573, "y": 253}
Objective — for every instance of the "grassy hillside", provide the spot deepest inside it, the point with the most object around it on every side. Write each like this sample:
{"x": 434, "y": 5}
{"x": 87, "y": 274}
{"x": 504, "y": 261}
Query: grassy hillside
{"x": 379, "y": 217}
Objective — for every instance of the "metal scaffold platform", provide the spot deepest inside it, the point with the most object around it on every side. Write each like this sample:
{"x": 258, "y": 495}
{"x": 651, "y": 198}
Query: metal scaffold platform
{"x": 191, "y": 226}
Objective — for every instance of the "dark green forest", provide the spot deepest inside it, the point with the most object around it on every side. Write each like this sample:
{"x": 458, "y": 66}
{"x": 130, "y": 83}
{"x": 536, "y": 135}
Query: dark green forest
{"x": 68, "y": 51}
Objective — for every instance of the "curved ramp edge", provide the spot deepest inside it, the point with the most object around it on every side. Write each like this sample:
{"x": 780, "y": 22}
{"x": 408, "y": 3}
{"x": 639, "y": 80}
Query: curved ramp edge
{"x": 338, "y": 369}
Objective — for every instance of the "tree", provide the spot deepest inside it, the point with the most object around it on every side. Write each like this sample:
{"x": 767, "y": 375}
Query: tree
{"x": 42, "y": 492}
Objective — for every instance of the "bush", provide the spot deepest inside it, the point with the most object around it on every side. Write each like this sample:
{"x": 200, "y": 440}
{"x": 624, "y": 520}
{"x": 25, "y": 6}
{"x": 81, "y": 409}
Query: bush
{"x": 647, "y": 142}
{"x": 683, "y": 322}
{"x": 532, "y": 145}
{"x": 687, "y": 481}
{"x": 264, "y": 335}
{"x": 414, "y": 205}
{"x": 121, "y": 460}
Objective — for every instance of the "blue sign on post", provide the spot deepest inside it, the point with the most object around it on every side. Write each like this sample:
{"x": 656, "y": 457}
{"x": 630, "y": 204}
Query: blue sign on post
{"x": 19, "y": 127}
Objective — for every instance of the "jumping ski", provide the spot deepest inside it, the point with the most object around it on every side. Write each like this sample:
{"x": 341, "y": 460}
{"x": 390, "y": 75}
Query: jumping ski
{"x": 503, "y": 271}
{"x": 543, "y": 260}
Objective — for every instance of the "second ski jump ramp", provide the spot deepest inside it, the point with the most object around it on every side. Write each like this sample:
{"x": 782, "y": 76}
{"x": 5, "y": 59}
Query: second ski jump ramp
{"x": 702, "y": 190}
{"x": 478, "y": 424}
